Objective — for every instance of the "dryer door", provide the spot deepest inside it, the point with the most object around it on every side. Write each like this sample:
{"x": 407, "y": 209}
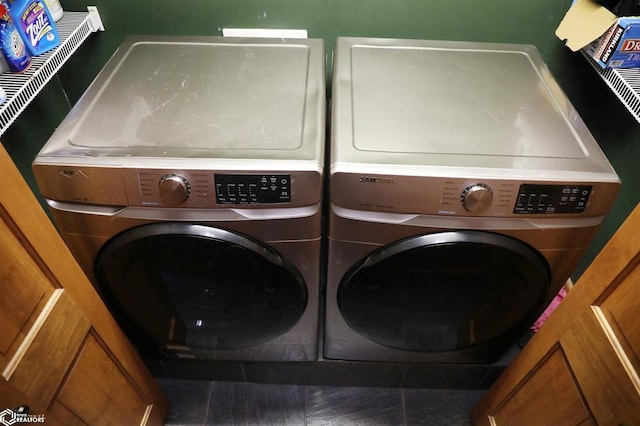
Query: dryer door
{"x": 176, "y": 284}
{"x": 445, "y": 292}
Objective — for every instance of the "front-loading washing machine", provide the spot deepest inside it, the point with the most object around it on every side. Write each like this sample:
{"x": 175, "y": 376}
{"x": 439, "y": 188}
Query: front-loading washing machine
{"x": 464, "y": 189}
{"x": 187, "y": 182}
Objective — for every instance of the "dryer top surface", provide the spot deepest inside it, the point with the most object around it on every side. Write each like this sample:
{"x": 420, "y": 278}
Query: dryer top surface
{"x": 436, "y": 103}
{"x": 202, "y": 97}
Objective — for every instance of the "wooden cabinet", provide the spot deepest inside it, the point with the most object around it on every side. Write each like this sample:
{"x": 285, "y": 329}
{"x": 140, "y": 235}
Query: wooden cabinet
{"x": 583, "y": 366}
{"x": 61, "y": 352}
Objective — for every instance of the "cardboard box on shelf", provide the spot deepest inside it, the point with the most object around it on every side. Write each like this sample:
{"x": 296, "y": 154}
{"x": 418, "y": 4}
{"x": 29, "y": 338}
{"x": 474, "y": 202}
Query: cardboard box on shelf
{"x": 613, "y": 42}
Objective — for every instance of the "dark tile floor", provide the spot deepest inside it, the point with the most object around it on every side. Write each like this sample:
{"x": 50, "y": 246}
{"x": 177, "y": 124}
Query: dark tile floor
{"x": 196, "y": 402}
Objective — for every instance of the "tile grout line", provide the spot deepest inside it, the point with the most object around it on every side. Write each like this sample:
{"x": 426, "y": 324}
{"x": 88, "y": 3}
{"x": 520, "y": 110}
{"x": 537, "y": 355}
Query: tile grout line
{"x": 306, "y": 405}
{"x": 404, "y": 408}
{"x": 206, "y": 414}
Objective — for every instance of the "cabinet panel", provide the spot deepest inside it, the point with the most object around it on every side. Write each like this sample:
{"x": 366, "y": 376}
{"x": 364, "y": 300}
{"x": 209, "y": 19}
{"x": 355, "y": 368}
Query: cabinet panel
{"x": 624, "y": 315}
{"x": 48, "y": 308}
{"x": 602, "y": 369}
{"x": 561, "y": 403}
{"x": 58, "y": 333}
{"x": 88, "y": 390}
{"x": 598, "y": 330}
{"x": 24, "y": 287}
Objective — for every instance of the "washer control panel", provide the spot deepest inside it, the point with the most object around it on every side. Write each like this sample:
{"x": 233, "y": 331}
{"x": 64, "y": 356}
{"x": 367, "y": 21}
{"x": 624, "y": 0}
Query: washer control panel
{"x": 546, "y": 199}
{"x": 252, "y": 189}
{"x": 221, "y": 189}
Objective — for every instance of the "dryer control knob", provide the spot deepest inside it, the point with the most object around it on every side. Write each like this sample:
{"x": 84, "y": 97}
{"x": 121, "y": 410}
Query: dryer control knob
{"x": 174, "y": 189}
{"x": 477, "y": 197}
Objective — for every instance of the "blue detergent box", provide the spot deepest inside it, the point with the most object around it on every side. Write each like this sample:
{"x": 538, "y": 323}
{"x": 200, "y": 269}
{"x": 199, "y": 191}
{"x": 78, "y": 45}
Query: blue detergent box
{"x": 612, "y": 41}
{"x": 619, "y": 47}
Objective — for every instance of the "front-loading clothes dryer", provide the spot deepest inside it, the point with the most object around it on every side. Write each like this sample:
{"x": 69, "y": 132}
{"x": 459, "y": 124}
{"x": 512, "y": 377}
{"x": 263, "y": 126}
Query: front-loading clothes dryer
{"x": 187, "y": 181}
{"x": 464, "y": 189}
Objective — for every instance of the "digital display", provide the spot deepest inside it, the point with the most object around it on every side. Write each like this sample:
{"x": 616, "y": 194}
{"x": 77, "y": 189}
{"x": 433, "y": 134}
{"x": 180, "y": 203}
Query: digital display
{"x": 252, "y": 189}
{"x": 550, "y": 199}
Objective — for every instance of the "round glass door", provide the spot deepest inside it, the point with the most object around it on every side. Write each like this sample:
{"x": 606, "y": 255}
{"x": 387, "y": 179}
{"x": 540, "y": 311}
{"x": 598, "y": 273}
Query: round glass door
{"x": 198, "y": 286}
{"x": 444, "y": 292}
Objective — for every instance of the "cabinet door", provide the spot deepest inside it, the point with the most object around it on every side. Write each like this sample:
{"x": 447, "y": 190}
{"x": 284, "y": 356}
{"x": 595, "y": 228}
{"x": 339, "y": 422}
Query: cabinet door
{"x": 98, "y": 403}
{"x": 61, "y": 352}
{"x": 583, "y": 366}
{"x": 518, "y": 409}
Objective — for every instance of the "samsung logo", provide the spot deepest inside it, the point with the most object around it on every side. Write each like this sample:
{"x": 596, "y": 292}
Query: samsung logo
{"x": 377, "y": 179}
{"x": 69, "y": 172}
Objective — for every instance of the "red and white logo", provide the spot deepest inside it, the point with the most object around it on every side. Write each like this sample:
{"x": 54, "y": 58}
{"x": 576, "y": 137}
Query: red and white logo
{"x": 630, "y": 45}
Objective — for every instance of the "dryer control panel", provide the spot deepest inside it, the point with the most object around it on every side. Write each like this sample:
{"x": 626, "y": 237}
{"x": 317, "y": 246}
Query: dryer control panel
{"x": 205, "y": 188}
{"x": 260, "y": 189}
{"x": 181, "y": 188}
{"x": 470, "y": 196}
{"x": 252, "y": 189}
{"x": 545, "y": 199}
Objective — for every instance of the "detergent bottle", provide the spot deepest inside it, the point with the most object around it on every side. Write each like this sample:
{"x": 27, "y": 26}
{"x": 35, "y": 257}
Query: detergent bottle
{"x": 14, "y": 51}
{"x": 35, "y": 24}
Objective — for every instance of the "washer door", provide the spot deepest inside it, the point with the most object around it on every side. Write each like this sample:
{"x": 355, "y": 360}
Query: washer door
{"x": 178, "y": 284}
{"x": 444, "y": 292}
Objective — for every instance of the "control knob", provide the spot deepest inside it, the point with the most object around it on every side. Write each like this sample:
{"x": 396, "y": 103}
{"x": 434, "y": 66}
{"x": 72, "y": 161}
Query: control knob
{"x": 476, "y": 198}
{"x": 174, "y": 189}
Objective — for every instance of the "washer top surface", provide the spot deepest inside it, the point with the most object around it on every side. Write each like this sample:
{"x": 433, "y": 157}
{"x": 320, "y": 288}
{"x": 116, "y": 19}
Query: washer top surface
{"x": 454, "y": 104}
{"x": 202, "y": 97}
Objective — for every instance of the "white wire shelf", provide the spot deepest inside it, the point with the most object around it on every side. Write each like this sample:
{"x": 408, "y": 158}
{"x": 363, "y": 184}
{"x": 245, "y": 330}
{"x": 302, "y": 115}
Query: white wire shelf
{"x": 74, "y": 28}
{"x": 624, "y": 82}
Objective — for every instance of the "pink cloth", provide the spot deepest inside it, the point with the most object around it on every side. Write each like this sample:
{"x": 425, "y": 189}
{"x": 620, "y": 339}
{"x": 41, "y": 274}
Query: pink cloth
{"x": 552, "y": 306}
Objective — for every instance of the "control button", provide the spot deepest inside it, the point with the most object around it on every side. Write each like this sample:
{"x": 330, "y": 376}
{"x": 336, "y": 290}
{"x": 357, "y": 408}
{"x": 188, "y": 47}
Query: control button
{"x": 174, "y": 189}
{"x": 476, "y": 198}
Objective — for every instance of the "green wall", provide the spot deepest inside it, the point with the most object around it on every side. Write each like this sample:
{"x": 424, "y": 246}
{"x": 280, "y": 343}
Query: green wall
{"x": 525, "y": 21}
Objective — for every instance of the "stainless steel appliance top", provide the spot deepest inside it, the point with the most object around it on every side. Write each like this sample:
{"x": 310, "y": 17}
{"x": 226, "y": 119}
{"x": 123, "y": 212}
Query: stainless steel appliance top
{"x": 487, "y": 108}
{"x": 200, "y": 97}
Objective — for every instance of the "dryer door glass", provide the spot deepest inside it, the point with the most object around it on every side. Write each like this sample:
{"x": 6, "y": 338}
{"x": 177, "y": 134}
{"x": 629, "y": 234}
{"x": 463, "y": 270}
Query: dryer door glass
{"x": 445, "y": 292}
{"x": 176, "y": 284}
